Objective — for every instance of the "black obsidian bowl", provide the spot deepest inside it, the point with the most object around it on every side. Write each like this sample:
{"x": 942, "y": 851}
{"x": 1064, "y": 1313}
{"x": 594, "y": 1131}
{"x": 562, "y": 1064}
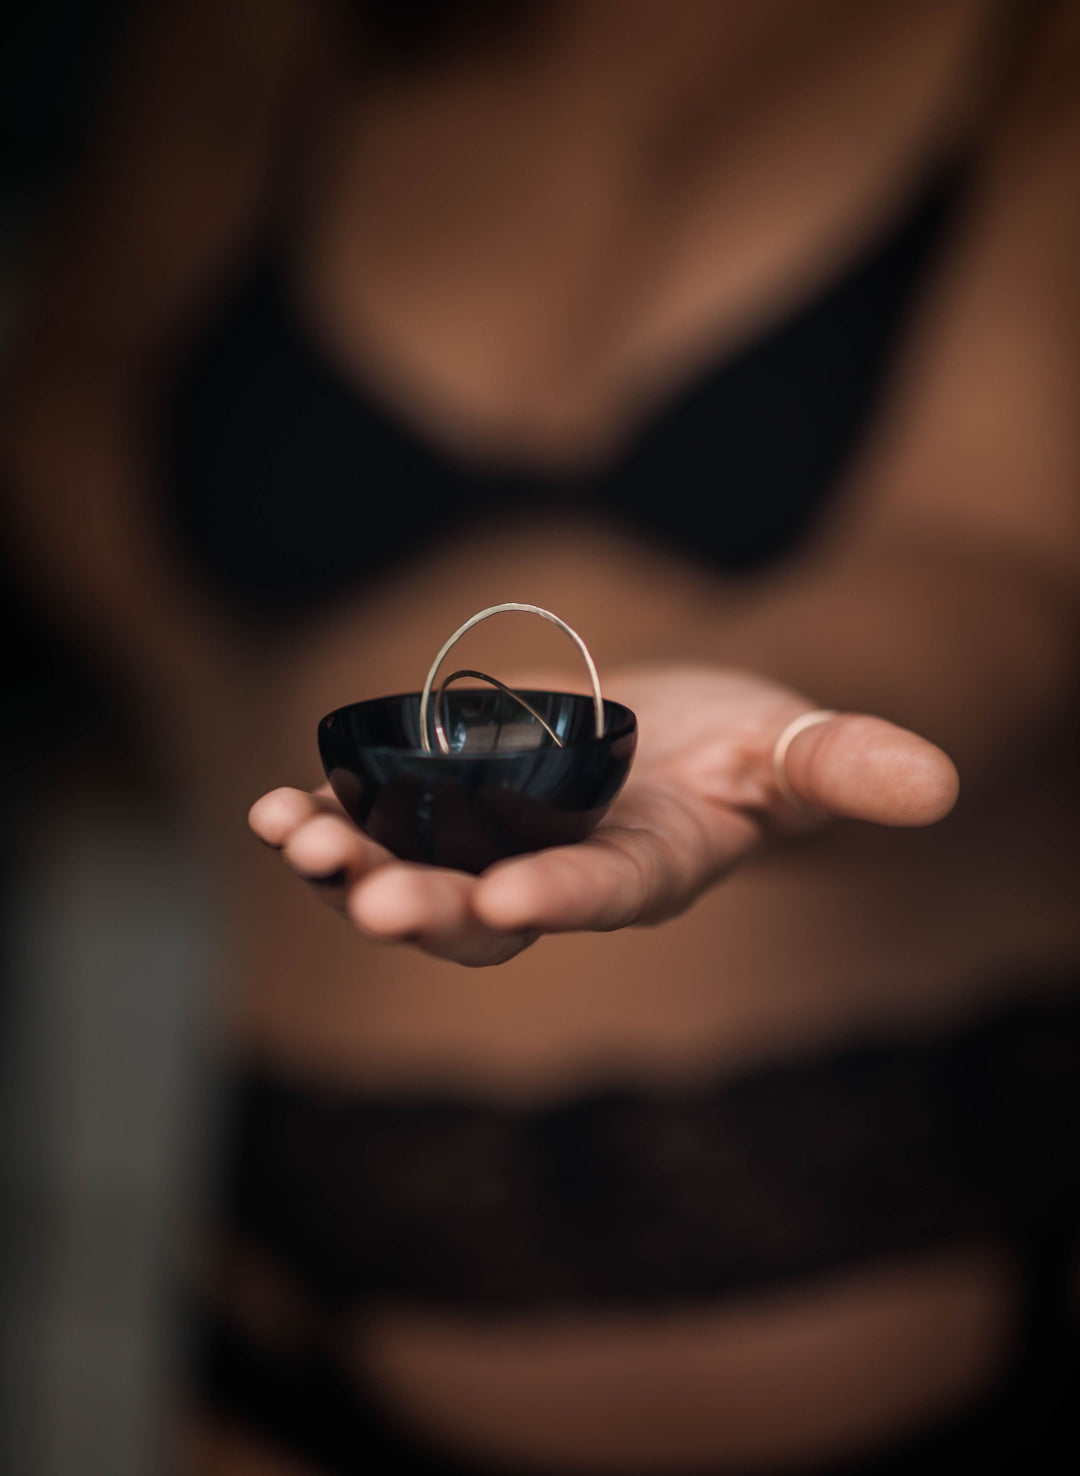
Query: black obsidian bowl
{"x": 505, "y": 787}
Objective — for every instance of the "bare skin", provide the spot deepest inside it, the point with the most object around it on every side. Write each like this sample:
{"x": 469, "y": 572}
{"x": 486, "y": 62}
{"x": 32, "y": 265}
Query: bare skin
{"x": 700, "y": 793}
{"x": 730, "y": 165}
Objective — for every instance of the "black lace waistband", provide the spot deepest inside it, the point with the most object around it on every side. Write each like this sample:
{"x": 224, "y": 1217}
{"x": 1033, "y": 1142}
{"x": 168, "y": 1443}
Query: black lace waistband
{"x": 649, "y": 1196}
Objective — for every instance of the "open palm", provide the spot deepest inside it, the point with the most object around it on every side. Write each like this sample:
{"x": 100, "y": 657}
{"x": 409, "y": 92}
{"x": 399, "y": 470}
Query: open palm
{"x": 701, "y": 795}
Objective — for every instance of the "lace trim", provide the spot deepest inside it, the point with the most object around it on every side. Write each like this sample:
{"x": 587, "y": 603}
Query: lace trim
{"x": 631, "y": 1195}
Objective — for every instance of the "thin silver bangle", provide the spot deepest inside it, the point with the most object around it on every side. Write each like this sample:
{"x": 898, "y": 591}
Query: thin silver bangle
{"x": 425, "y": 695}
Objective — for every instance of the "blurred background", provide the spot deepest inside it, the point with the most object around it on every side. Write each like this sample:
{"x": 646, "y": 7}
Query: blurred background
{"x": 109, "y": 1097}
{"x": 100, "y": 1108}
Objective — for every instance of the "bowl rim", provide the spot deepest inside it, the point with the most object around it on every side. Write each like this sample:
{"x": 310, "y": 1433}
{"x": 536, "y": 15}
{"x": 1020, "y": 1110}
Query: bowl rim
{"x": 627, "y": 725}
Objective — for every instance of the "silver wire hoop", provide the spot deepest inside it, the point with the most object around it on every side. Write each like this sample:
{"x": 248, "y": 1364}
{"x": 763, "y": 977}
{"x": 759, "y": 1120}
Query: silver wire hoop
{"x": 425, "y": 695}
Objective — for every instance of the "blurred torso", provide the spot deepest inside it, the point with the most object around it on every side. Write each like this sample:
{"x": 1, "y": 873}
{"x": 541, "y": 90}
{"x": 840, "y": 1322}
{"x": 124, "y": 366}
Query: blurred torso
{"x": 521, "y": 250}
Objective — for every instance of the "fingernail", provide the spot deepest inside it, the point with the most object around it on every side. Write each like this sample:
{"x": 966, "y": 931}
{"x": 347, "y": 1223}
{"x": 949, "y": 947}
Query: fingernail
{"x": 331, "y": 879}
{"x": 270, "y": 846}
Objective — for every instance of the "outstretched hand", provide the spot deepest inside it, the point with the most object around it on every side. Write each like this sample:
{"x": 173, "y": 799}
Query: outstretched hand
{"x": 701, "y": 794}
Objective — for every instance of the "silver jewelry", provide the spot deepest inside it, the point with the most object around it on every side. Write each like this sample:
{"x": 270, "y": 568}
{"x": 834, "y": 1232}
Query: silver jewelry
{"x": 425, "y": 695}
{"x": 780, "y": 752}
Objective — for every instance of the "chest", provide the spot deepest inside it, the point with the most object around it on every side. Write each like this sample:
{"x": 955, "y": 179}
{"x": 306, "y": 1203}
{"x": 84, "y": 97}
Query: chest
{"x": 524, "y": 250}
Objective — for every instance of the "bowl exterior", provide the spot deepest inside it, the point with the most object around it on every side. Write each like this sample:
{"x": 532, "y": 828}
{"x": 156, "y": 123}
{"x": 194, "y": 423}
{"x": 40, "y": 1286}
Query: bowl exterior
{"x": 469, "y": 811}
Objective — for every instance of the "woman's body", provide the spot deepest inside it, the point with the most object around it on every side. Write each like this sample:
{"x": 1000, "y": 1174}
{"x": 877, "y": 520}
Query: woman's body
{"x": 643, "y": 231}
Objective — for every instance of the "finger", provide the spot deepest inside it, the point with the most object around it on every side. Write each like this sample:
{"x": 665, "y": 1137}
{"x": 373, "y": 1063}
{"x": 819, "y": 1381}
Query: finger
{"x": 329, "y": 851}
{"x": 275, "y": 816}
{"x": 651, "y": 865}
{"x": 432, "y": 908}
{"x": 867, "y": 769}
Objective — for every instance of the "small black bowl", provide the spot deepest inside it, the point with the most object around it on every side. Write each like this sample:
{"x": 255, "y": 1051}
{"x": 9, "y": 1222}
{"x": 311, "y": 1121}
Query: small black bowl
{"x": 504, "y": 789}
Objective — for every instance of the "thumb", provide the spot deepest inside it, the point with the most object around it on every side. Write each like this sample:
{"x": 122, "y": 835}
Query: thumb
{"x": 867, "y": 769}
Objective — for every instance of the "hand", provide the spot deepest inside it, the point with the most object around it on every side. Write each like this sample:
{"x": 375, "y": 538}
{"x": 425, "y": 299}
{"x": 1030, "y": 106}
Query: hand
{"x": 700, "y": 796}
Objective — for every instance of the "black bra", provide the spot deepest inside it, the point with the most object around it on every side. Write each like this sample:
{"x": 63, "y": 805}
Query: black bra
{"x": 289, "y": 485}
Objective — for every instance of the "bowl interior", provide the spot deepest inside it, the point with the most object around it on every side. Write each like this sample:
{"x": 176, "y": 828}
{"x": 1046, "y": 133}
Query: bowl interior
{"x": 480, "y": 721}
